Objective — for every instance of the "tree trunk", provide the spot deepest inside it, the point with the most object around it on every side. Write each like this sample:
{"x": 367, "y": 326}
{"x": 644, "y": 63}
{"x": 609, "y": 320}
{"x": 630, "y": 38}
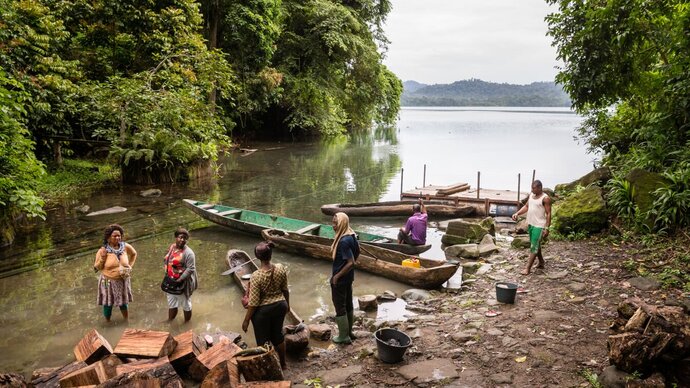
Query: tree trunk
{"x": 265, "y": 366}
{"x": 296, "y": 341}
{"x": 57, "y": 153}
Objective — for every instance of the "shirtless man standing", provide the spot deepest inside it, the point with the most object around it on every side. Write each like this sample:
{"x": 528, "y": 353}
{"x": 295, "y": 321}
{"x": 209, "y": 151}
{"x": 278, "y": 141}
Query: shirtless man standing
{"x": 538, "y": 209}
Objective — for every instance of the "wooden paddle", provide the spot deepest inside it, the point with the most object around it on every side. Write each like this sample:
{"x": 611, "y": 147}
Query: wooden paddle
{"x": 234, "y": 269}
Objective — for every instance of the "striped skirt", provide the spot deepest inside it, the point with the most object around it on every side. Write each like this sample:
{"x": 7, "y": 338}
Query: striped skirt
{"x": 114, "y": 292}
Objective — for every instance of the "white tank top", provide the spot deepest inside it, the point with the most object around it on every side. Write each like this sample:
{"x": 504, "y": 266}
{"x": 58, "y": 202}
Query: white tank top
{"x": 536, "y": 214}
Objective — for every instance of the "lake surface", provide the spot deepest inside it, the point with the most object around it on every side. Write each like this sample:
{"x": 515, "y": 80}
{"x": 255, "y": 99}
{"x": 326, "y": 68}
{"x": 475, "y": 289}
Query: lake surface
{"x": 46, "y": 311}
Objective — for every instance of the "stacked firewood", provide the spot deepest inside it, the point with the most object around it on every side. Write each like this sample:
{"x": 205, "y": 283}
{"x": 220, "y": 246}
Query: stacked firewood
{"x": 145, "y": 358}
{"x": 650, "y": 339}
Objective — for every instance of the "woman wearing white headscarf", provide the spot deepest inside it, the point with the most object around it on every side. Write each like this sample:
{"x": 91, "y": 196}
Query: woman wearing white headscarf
{"x": 344, "y": 251}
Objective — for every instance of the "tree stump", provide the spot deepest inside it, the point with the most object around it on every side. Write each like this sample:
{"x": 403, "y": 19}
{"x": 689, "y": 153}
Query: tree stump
{"x": 50, "y": 377}
{"x": 368, "y": 302}
{"x": 296, "y": 338}
{"x": 257, "y": 367}
{"x": 222, "y": 351}
{"x": 92, "y": 347}
{"x": 145, "y": 344}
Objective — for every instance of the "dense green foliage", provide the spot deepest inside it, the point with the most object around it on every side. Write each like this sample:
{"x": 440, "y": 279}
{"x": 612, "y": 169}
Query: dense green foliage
{"x": 627, "y": 70}
{"x": 164, "y": 83}
{"x": 19, "y": 168}
{"x": 474, "y": 92}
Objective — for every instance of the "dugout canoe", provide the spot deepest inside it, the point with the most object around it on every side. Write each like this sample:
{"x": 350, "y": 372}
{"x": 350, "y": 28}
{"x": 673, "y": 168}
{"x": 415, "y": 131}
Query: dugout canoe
{"x": 296, "y": 332}
{"x": 398, "y": 208}
{"x": 376, "y": 260}
{"x": 253, "y": 222}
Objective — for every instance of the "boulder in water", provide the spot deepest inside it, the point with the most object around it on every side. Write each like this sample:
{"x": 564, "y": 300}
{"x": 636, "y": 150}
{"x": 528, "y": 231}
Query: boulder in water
{"x": 110, "y": 210}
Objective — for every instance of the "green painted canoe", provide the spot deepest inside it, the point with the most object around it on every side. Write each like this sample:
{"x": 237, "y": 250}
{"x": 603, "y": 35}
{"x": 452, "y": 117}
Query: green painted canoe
{"x": 252, "y": 222}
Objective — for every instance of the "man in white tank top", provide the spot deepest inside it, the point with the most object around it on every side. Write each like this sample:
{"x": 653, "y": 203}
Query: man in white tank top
{"x": 538, "y": 208}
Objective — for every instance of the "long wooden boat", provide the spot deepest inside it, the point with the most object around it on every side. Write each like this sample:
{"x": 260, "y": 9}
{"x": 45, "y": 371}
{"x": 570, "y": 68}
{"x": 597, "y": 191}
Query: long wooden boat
{"x": 297, "y": 336}
{"x": 376, "y": 260}
{"x": 398, "y": 208}
{"x": 252, "y": 222}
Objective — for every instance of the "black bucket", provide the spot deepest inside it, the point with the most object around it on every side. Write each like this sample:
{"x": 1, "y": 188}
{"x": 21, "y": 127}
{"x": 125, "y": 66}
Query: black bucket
{"x": 391, "y": 353}
{"x": 505, "y": 292}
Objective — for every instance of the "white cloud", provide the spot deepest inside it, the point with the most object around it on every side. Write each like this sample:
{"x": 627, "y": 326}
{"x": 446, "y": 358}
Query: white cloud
{"x": 441, "y": 41}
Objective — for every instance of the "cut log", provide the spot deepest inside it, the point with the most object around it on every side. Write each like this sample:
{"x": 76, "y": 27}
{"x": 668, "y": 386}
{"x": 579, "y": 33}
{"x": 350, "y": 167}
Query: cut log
{"x": 145, "y": 344}
{"x": 50, "y": 377}
{"x": 637, "y": 322}
{"x": 368, "y": 302}
{"x": 296, "y": 338}
{"x": 93, "y": 374}
{"x": 267, "y": 384}
{"x": 93, "y": 347}
{"x": 12, "y": 380}
{"x": 258, "y": 367}
{"x": 225, "y": 374}
{"x": 224, "y": 350}
{"x": 150, "y": 373}
{"x": 185, "y": 352}
{"x": 452, "y": 189}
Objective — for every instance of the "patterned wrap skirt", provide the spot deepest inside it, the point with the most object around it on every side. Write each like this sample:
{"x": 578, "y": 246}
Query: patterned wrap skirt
{"x": 114, "y": 292}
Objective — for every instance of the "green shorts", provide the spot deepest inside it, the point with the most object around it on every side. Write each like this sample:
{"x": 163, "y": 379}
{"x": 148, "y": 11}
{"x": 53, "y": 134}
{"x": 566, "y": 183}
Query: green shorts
{"x": 534, "y": 238}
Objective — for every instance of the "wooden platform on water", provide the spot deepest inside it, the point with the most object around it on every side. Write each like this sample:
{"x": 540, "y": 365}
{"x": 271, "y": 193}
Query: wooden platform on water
{"x": 484, "y": 202}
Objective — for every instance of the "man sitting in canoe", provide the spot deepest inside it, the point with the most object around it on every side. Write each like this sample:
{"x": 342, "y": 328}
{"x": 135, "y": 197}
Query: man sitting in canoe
{"x": 414, "y": 232}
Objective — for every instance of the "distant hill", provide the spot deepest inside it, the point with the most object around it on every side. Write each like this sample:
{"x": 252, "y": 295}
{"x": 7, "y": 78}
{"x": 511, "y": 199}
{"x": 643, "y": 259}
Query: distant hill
{"x": 474, "y": 92}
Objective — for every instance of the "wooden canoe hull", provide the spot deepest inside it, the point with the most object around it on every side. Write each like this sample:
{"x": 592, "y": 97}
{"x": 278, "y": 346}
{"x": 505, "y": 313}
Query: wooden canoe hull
{"x": 375, "y": 260}
{"x": 252, "y": 222}
{"x": 236, "y": 257}
{"x": 398, "y": 208}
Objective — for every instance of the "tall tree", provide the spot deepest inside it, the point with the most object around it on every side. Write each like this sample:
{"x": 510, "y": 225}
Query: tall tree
{"x": 627, "y": 70}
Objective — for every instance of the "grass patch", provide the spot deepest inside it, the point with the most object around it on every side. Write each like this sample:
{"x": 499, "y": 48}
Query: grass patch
{"x": 76, "y": 178}
{"x": 591, "y": 378}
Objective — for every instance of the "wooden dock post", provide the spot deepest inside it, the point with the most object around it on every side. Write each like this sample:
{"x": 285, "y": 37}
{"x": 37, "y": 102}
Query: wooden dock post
{"x": 518, "y": 198}
{"x": 402, "y": 174}
{"x": 478, "y": 180}
{"x": 424, "y": 177}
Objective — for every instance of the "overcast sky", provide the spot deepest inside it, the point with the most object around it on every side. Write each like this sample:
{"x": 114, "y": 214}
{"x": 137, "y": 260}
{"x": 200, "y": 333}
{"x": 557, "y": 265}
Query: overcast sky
{"x": 441, "y": 41}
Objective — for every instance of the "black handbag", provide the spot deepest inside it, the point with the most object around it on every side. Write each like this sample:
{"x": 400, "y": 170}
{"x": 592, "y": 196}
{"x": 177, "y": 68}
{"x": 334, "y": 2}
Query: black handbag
{"x": 171, "y": 286}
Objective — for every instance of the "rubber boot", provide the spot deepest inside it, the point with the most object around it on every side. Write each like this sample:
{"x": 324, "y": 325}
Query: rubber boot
{"x": 343, "y": 330}
{"x": 350, "y": 323}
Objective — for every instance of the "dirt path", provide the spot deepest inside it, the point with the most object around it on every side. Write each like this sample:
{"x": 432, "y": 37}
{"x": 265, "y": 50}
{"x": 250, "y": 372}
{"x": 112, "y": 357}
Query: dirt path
{"x": 554, "y": 331}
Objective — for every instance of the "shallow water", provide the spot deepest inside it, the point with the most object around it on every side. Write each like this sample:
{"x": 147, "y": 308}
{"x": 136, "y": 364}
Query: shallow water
{"x": 47, "y": 310}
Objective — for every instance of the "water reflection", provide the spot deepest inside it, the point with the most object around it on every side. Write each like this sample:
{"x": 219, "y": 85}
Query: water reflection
{"x": 52, "y": 307}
